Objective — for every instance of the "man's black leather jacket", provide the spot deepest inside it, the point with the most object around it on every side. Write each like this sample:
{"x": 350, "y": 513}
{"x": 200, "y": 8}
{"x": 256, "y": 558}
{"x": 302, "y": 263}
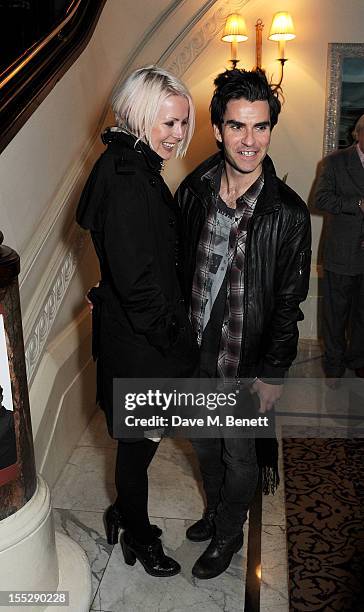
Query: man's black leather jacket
{"x": 277, "y": 266}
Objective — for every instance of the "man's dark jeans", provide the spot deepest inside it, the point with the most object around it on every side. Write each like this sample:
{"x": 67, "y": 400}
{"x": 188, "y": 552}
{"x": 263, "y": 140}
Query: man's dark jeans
{"x": 230, "y": 475}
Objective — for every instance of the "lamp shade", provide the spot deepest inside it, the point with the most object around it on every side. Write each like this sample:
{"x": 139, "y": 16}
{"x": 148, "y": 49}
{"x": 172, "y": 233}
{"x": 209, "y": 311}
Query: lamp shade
{"x": 235, "y": 29}
{"x": 282, "y": 27}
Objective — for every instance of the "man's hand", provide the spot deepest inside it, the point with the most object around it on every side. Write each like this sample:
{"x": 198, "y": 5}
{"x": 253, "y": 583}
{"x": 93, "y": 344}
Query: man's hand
{"x": 268, "y": 394}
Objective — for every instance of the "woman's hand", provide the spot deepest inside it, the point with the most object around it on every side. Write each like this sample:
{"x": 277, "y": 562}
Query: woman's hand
{"x": 89, "y": 303}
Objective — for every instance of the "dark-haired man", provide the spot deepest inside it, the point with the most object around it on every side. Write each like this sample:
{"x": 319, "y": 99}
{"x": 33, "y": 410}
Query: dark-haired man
{"x": 246, "y": 265}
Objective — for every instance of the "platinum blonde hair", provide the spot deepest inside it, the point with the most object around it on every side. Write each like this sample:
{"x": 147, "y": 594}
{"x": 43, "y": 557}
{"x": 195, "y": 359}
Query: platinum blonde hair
{"x": 136, "y": 103}
{"x": 358, "y": 127}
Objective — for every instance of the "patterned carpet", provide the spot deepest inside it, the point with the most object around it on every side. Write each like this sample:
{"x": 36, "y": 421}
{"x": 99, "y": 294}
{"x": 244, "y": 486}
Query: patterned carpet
{"x": 324, "y": 485}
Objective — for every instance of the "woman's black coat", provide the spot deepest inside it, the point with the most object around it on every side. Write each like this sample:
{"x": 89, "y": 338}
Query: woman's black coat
{"x": 140, "y": 326}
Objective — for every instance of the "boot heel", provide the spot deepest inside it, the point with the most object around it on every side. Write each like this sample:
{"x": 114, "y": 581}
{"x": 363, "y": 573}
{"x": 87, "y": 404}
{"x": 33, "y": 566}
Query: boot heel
{"x": 113, "y": 522}
{"x": 151, "y": 556}
{"x": 129, "y": 555}
{"x": 112, "y": 532}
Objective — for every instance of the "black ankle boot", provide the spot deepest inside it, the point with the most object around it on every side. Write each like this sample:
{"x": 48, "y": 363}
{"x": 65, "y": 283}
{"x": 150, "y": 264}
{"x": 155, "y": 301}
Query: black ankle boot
{"x": 151, "y": 556}
{"x": 113, "y": 522}
{"x": 217, "y": 556}
{"x": 203, "y": 529}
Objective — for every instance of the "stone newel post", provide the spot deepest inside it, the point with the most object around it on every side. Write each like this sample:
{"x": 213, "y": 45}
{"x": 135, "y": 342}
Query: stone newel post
{"x": 32, "y": 556}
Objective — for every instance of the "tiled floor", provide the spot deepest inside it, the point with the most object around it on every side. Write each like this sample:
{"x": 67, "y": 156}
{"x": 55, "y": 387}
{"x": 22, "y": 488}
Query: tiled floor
{"x": 85, "y": 488}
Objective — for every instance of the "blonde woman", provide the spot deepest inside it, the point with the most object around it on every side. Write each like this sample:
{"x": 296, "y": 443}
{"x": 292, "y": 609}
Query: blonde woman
{"x": 140, "y": 326}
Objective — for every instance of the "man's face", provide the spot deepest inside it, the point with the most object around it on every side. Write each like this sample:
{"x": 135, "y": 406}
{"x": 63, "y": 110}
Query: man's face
{"x": 245, "y": 135}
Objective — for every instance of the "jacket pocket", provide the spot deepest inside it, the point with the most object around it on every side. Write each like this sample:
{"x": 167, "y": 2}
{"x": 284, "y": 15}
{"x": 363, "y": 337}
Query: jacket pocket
{"x": 304, "y": 270}
{"x": 183, "y": 341}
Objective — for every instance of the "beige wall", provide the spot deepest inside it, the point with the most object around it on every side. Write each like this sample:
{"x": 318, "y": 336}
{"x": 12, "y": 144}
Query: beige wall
{"x": 297, "y": 141}
{"x": 40, "y": 166}
{"x": 42, "y": 171}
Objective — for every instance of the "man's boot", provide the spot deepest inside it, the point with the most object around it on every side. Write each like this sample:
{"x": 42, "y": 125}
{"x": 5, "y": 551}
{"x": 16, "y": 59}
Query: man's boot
{"x": 203, "y": 529}
{"x": 217, "y": 556}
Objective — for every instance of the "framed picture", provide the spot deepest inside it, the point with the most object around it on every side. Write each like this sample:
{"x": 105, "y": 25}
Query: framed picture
{"x": 345, "y": 93}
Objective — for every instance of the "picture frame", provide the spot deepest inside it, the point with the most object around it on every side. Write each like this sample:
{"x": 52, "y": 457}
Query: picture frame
{"x": 345, "y": 93}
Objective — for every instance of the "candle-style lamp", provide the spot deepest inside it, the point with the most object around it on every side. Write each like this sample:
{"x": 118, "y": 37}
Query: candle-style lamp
{"x": 282, "y": 29}
{"x": 234, "y": 32}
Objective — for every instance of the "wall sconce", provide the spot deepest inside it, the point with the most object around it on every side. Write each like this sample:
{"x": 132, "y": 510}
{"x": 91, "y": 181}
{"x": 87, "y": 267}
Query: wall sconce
{"x": 282, "y": 29}
{"x": 234, "y": 32}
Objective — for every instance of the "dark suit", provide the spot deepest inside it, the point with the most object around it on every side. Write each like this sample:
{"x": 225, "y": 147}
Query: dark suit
{"x": 340, "y": 186}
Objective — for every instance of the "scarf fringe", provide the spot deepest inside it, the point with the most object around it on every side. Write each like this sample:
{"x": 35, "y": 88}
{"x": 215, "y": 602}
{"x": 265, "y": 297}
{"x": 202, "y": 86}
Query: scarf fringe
{"x": 270, "y": 479}
{"x": 267, "y": 457}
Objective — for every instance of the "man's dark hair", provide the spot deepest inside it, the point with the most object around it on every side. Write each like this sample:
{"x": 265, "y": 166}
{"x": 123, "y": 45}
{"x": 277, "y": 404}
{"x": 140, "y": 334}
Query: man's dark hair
{"x": 235, "y": 84}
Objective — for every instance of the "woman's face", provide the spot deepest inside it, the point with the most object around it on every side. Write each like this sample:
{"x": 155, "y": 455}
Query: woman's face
{"x": 170, "y": 125}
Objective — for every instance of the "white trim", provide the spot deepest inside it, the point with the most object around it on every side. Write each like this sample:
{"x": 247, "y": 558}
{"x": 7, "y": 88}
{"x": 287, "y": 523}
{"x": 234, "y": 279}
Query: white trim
{"x": 64, "y": 381}
{"x": 58, "y": 414}
{"x": 74, "y": 575}
{"x": 51, "y": 291}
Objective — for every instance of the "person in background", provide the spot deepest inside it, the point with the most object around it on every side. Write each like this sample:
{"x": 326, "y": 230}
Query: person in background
{"x": 339, "y": 192}
{"x": 246, "y": 263}
{"x": 140, "y": 325}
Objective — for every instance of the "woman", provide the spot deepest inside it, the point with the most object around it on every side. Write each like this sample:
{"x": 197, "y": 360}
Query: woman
{"x": 140, "y": 327}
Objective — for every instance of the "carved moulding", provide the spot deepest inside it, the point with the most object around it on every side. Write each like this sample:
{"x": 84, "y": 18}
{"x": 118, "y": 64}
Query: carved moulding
{"x": 179, "y": 57}
{"x": 52, "y": 302}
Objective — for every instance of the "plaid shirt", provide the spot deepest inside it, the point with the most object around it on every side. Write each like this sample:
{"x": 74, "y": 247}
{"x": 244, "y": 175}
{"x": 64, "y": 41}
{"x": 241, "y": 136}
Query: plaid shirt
{"x": 203, "y": 256}
{"x": 232, "y": 328}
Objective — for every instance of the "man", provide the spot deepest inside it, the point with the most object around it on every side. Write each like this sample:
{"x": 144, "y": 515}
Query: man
{"x": 340, "y": 192}
{"x": 245, "y": 270}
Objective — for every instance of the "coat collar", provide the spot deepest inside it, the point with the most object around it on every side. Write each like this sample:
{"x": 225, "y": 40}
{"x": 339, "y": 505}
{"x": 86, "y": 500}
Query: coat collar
{"x": 131, "y": 150}
{"x": 201, "y": 183}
